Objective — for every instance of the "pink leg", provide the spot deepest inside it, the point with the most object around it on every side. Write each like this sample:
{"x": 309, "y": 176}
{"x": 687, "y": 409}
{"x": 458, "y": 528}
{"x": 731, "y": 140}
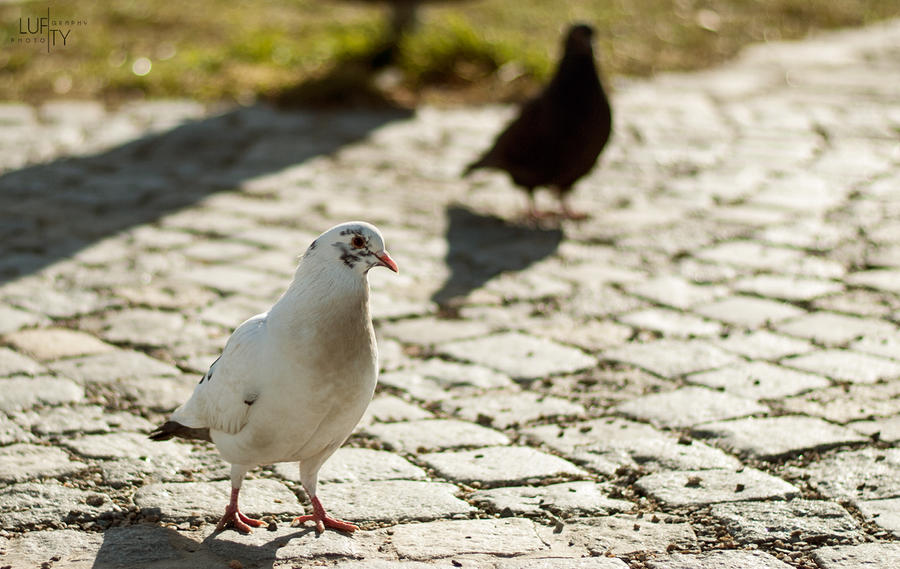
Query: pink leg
{"x": 323, "y": 520}
{"x": 232, "y": 514}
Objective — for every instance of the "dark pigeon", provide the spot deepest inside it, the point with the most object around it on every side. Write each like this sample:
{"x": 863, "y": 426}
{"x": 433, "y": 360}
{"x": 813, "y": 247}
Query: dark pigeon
{"x": 558, "y": 135}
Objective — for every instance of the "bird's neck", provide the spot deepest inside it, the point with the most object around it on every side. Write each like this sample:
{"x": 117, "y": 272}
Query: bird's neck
{"x": 575, "y": 72}
{"x": 321, "y": 293}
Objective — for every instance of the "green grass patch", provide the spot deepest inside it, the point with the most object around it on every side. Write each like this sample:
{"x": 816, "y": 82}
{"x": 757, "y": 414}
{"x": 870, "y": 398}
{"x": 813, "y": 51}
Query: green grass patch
{"x": 216, "y": 50}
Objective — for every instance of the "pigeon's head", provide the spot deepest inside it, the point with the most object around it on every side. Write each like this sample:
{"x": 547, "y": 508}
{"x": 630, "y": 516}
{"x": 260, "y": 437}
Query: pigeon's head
{"x": 357, "y": 245}
{"x": 578, "y": 40}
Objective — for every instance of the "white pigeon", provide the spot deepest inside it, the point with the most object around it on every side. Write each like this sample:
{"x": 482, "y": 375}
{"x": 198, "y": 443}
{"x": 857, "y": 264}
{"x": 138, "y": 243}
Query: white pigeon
{"x": 292, "y": 383}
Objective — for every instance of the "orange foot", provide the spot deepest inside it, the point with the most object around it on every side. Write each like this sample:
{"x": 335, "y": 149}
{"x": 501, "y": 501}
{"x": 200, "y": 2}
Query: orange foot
{"x": 234, "y": 516}
{"x": 323, "y": 520}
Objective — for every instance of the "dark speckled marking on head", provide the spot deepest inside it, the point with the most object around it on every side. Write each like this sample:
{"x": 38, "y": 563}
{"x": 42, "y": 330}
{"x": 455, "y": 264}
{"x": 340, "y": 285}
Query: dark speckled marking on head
{"x": 348, "y": 257}
{"x": 209, "y": 373}
{"x": 313, "y": 244}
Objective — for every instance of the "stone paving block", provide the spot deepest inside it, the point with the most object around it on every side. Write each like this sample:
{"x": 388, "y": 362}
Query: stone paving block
{"x": 750, "y": 254}
{"x": 674, "y": 291}
{"x": 45, "y": 344}
{"x": 866, "y": 474}
{"x": 231, "y": 279}
{"x": 391, "y": 409}
{"x": 601, "y": 301}
{"x": 126, "y": 445}
{"x": 26, "y": 392}
{"x": 231, "y": 311}
{"x": 169, "y": 294}
{"x": 431, "y": 330}
{"x": 607, "y": 444}
{"x": 12, "y": 319}
{"x": 671, "y": 323}
{"x": 46, "y": 301}
{"x": 834, "y": 329}
{"x": 393, "y": 501}
{"x": 146, "y": 545}
{"x": 860, "y": 302}
{"x": 844, "y": 365}
{"x": 13, "y": 363}
{"x": 519, "y": 355}
{"x": 306, "y": 545}
{"x": 590, "y": 335}
{"x": 886, "y": 345}
{"x": 500, "y": 466}
{"x": 112, "y": 366}
{"x": 807, "y": 233}
{"x": 844, "y": 403}
{"x": 207, "y": 500}
{"x": 883, "y": 513}
{"x": 887, "y": 429}
{"x": 700, "y": 487}
{"x": 887, "y": 280}
{"x": 11, "y": 432}
{"x": 759, "y": 380}
{"x": 562, "y": 563}
{"x": 433, "y": 378}
{"x": 506, "y": 537}
{"x": 816, "y": 521}
{"x": 358, "y": 465}
{"x": 501, "y": 409}
{"x": 625, "y": 534}
{"x": 383, "y": 564}
{"x": 434, "y": 434}
{"x": 689, "y": 406}
{"x": 864, "y": 555}
{"x": 89, "y": 419}
{"x": 63, "y": 548}
{"x": 672, "y": 358}
{"x": 161, "y": 394}
{"x": 31, "y": 504}
{"x": 771, "y": 438}
{"x": 202, "y": 466}
{"x": 729, "y": 559}
{"x": 748, "y": 311}
{"x": 26, "y": 461}
{"x": 569, "y": 499}
{"x": 142, "y": 327}
{"x": 762, "y": 345}
{"x": 785, "y": 287}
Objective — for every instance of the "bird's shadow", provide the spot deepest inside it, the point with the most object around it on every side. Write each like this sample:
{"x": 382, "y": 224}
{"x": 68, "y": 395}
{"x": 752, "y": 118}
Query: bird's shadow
{"x": 148, "y": 545}
{"x": 480, "y": 247}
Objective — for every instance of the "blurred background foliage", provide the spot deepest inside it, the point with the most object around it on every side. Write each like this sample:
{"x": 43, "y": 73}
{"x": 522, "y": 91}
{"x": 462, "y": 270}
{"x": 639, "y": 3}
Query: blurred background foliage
{"x": 344, "y": 51}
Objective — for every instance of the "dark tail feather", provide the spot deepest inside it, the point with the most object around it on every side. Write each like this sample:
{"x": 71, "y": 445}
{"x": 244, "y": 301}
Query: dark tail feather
{"x": 171, "y": 429}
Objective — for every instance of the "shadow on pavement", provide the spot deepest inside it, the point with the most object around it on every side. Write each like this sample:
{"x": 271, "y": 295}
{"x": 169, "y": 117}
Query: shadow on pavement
{"x": 147, "y": 545}
{"x": 50, "y": 211}
{"x": 483, "y": 246}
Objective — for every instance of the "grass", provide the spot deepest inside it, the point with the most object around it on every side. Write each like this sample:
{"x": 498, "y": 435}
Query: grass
{"x": 314, "y": 50}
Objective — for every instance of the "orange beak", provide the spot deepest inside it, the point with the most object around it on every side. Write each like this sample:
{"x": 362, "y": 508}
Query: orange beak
{"x": 387, "y": 261}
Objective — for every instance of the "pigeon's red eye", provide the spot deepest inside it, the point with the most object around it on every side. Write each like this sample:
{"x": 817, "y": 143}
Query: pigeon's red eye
{"x": 357, "y": 242}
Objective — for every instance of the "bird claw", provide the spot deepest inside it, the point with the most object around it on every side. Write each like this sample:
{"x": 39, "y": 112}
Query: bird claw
{"x": 237, "y": 519}
{"x": 326, "y": 522}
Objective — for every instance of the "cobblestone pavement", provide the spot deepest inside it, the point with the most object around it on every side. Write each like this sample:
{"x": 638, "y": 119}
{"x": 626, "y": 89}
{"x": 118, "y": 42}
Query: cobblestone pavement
{"x": 706, "y": 374}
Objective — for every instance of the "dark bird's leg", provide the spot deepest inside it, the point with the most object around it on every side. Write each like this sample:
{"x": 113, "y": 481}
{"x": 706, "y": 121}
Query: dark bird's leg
{"x": 309, "y": 474}
{"x": 566, "y": 211}
{"x": 532, "y": 211}
{"x": 233, "y": 514}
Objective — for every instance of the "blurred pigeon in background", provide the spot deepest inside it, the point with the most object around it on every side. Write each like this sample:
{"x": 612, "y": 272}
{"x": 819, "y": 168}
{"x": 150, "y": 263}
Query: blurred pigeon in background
{"x": 558, "y": 135}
